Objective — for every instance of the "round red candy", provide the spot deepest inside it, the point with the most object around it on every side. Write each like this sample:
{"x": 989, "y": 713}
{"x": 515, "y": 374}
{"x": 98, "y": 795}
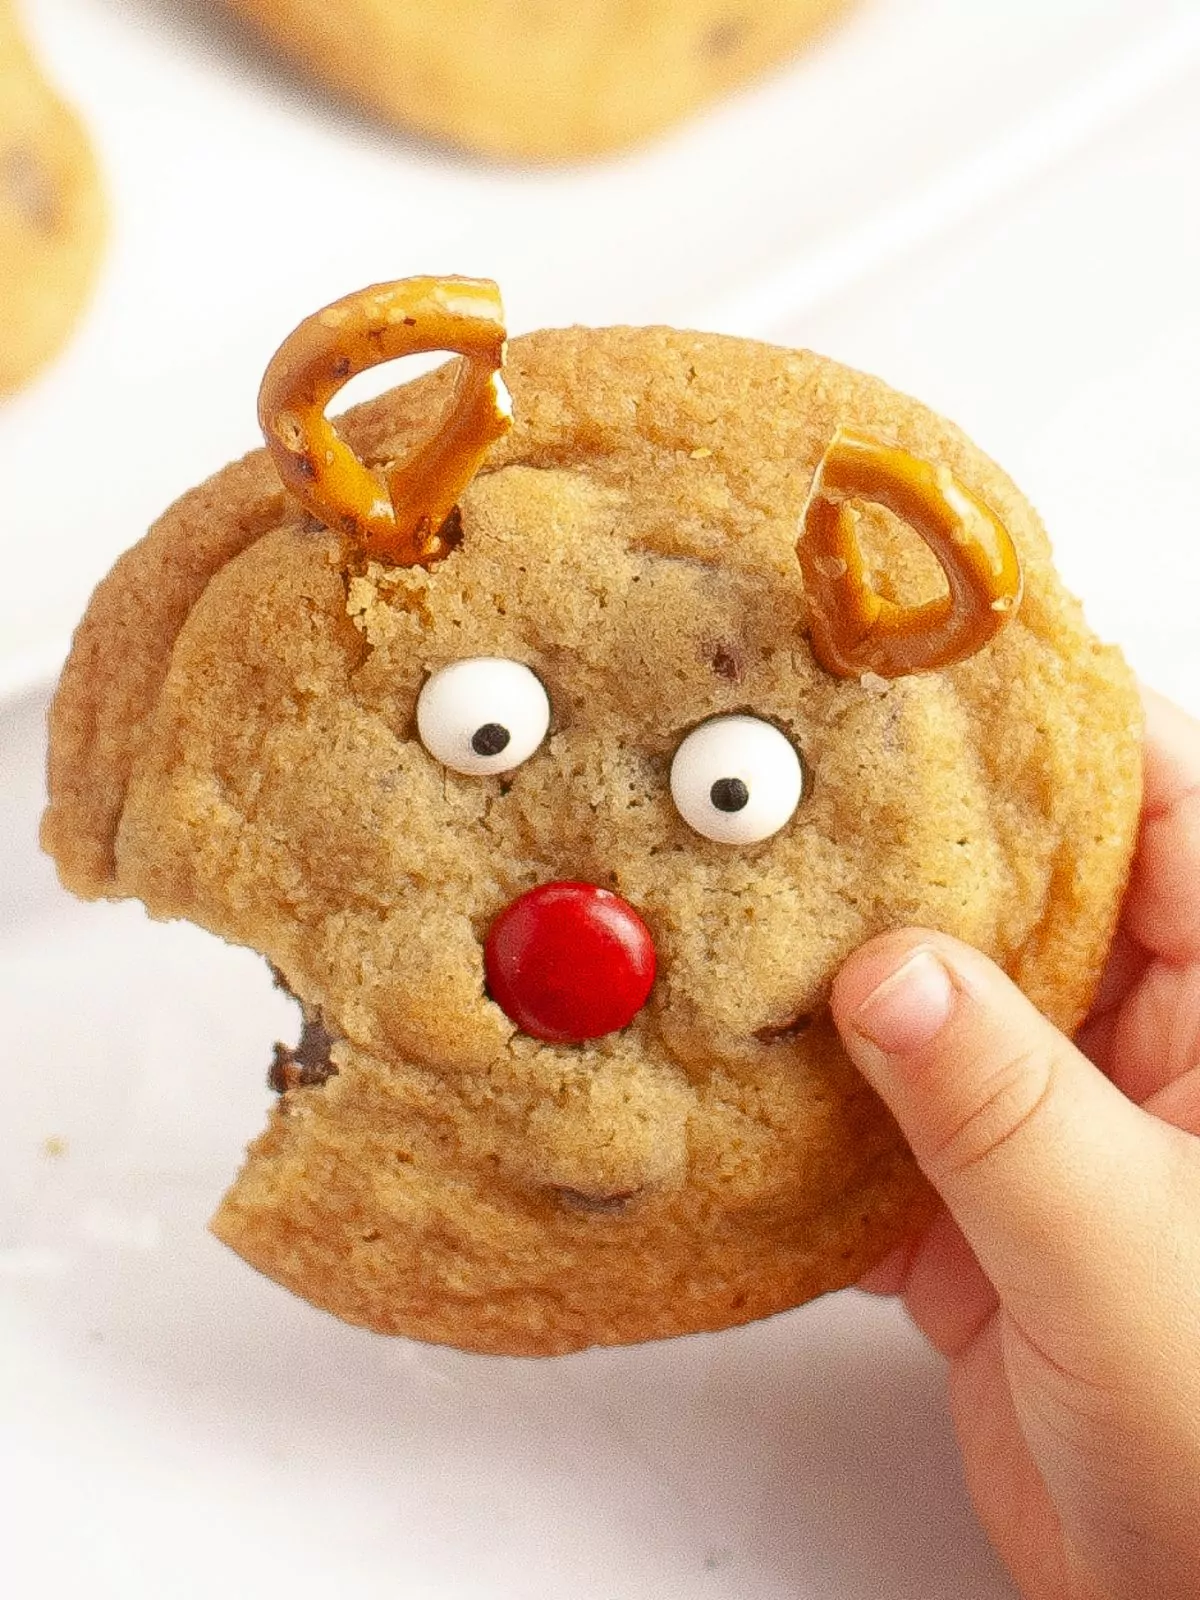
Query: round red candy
{"x": 569, "y": 961}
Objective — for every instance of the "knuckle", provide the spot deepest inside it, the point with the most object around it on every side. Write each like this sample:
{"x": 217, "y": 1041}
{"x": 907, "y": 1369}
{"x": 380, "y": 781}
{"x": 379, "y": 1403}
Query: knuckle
{"x": 1002, "y": 1117}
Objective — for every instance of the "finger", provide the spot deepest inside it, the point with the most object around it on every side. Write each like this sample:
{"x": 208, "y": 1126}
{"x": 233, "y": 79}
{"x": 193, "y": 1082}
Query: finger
{"x": 1026, "y": 1141}
{"x": 947, "y": 1292}
{"x": 1156, "y": 1036}
{"x": 1126, "y": 967}
{"x": 1172, "y": 758}
{"x": 1095, "y": 1039}
{"x": 1179, "y": 1102}
{"x": 1126, "y": 963}
{"x": 1002, "y": 1474}
{"x": 890, "y": 1275}
{"x": 1162, "y": 907}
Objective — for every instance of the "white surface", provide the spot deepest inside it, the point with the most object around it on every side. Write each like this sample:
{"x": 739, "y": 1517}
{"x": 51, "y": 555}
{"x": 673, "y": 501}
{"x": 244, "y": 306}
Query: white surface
{"x": 1060, "y": 328}
{"x": 992, "y": 205}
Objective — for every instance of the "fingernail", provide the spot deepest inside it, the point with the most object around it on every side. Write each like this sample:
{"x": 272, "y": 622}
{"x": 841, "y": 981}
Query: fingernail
{"x": 909, "y": 1008}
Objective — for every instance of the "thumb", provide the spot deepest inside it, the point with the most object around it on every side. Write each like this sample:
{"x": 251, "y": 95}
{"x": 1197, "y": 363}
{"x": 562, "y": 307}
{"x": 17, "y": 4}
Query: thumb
{"x": 1054, "y": 1177}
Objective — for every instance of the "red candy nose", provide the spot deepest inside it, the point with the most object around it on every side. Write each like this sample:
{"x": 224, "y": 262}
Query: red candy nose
{"x": 569, "y": 961}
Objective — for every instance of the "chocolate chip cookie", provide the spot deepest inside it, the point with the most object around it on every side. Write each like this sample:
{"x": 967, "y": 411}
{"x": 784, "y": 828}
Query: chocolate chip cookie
{"x": 559, "y": 808}
{"x": 51, "y": 212}
{"x": 547, "y": 81}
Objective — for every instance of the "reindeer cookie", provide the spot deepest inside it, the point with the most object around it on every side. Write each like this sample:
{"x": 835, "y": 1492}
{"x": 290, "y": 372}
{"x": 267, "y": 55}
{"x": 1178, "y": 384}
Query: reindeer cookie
{"x": 556, "y": 755}
{"x": 546, "y": 82}
{"x": 51, "y": 213}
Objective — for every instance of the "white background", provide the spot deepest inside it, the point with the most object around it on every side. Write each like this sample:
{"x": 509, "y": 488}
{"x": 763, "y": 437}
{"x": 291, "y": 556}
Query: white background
{"x": 991, "y": 204}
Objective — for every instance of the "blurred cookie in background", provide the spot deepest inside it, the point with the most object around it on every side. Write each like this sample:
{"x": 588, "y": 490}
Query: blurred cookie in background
{"x": 548, "y": 80}
{"x": 51, "y": 212}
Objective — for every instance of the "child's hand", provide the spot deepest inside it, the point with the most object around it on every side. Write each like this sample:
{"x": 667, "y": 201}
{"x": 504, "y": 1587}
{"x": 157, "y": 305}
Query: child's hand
{"x": 1063, "y": 1280}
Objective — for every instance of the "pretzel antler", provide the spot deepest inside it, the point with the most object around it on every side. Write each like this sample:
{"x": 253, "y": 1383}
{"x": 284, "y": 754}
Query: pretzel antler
{"x": 396, "y": 516}
{"x": 854, "y": 629}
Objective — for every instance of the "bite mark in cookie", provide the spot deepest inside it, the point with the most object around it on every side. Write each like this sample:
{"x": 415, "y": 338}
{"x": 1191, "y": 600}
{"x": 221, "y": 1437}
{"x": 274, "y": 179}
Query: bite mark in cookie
{"x": 306, "y": 1065}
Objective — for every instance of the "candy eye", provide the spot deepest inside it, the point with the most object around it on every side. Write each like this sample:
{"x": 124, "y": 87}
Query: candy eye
{"x": 736, "y": 780}
{"x": 483, "y": 715}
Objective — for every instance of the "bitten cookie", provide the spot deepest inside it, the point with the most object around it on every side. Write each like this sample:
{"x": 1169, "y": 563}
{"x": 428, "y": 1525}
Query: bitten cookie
{"x": 51, "y": 213}
{"x": 544, "y": 81}
{"x": 555, "y": 768}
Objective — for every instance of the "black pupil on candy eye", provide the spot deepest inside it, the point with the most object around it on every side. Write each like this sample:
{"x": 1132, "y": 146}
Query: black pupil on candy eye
{"x": 729, "y": 794}
{"x": 490, "y": 739}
